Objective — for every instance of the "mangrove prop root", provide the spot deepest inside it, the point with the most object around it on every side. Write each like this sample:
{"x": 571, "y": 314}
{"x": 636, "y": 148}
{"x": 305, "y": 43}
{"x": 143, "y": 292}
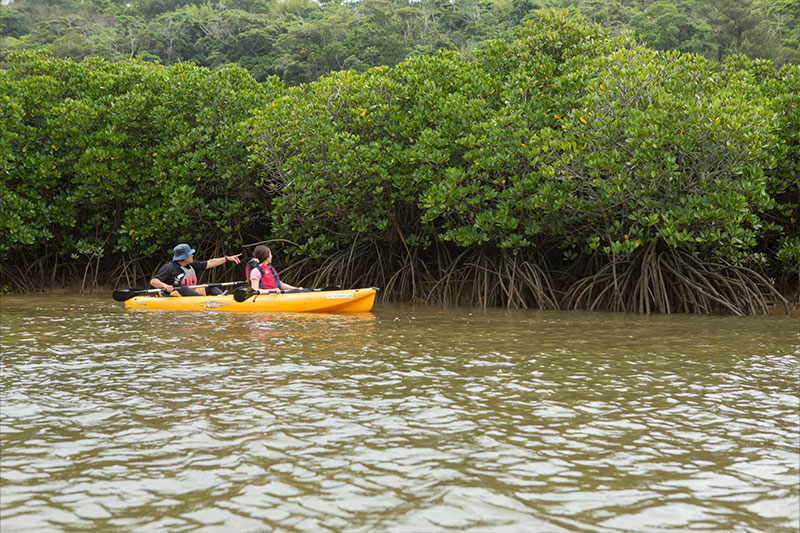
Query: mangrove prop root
{"x": 667, "y": 281}
{"x": 654, "y": 279}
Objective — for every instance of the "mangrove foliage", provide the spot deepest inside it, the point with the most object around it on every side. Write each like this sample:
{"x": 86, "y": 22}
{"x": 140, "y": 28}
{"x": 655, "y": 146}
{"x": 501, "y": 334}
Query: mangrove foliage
{"x": 568, "y": 168}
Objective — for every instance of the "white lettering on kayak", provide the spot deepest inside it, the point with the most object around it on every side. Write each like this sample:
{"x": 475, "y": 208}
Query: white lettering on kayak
{"x": 335, "y": 296}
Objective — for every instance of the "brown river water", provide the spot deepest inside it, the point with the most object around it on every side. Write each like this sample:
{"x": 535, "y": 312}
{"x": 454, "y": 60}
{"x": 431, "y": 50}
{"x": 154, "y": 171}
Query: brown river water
{"x": 406, "y": 419}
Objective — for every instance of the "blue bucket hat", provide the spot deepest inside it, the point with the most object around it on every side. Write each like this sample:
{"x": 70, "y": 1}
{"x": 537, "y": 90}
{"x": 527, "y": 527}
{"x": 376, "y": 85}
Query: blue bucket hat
{"x": 182, "y": 251}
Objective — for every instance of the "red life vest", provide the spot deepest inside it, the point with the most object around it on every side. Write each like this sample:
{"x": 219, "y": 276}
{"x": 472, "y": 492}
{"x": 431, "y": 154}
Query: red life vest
{"x": 266, "y": 282}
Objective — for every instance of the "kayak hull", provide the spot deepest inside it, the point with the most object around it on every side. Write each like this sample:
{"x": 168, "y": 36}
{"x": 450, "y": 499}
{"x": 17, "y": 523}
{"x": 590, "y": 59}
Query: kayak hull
{"x": 340, "y": 301}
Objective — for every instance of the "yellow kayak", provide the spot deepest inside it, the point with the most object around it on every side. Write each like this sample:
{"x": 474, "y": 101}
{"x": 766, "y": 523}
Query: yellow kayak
{"x": 338, "y": 301}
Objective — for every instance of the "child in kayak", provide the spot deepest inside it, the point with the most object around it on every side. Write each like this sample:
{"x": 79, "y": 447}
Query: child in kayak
{"x": 262, "y": 276}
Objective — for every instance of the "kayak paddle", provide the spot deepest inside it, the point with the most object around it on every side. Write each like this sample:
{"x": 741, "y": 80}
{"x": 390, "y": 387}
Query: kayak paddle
{"x": 243, "y": 293}
{"x": 122, "y": 295}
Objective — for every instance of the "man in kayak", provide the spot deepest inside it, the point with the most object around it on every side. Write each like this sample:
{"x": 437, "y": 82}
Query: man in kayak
{"x": 183, "y": 270}
{"x": 262, "y": 275}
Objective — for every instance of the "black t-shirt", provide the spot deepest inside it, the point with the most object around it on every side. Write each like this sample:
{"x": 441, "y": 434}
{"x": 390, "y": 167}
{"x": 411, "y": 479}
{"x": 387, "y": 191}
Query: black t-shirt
{"x": 171, "y": 272}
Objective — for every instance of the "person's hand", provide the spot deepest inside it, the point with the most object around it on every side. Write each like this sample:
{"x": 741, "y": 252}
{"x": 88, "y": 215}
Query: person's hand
{"x": 234, "y": 258}
{"x": 269, "y": 291}
{"x": 169, "y": 288}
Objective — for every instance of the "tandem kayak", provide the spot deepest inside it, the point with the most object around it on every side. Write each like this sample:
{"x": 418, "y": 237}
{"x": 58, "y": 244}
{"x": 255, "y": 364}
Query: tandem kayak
{"x": 338, "y": 301}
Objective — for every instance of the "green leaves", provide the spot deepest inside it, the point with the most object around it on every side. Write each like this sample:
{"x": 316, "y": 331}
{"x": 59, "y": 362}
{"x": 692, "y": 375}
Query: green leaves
{"x": 124, "y": 156}
{"x": 669, "y": 146}
{"x": 564, "y": 139}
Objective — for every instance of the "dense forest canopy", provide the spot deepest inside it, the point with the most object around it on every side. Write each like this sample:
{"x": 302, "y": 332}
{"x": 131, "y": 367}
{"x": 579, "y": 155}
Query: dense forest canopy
{"x": 301, "y": 40}
{"x": 569, "y": 167}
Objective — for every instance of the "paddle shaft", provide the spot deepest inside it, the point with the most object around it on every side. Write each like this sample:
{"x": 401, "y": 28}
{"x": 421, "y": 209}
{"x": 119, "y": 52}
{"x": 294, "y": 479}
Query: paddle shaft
{"x": 243, "y": 293}
{"x": 121, "y": 295}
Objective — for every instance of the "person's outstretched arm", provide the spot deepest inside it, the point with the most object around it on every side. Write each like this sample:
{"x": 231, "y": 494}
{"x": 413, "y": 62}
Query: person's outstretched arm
{"x": 220, "y": 260}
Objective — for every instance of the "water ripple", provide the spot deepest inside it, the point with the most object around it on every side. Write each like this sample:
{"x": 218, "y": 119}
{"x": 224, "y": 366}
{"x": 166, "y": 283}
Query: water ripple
{"x": 406, "y": 419}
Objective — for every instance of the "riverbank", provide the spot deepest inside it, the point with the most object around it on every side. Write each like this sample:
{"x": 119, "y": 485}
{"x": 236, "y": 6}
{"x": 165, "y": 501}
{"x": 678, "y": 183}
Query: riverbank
{"x": 563, "y": 169}
{"x": 792, "y": 299}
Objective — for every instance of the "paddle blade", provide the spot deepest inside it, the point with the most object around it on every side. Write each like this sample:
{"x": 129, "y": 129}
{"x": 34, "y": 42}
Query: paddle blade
{"x": 122, "y": 295}
{"x": 243, "y": 293}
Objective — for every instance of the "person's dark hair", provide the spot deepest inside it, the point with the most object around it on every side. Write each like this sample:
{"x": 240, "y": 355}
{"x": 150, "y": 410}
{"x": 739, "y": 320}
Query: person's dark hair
{"x": 261, "y": 253}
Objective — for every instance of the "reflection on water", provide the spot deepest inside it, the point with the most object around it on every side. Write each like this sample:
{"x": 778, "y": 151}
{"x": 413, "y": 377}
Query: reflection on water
{"x": 404, "y": 419}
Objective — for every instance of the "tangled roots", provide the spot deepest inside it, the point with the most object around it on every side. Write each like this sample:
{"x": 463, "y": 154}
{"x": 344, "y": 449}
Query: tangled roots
{"x": 672, "y": 281}
{"x": 436, "y": 276}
